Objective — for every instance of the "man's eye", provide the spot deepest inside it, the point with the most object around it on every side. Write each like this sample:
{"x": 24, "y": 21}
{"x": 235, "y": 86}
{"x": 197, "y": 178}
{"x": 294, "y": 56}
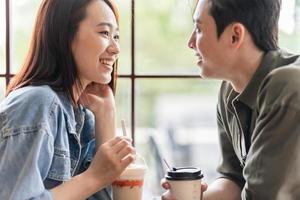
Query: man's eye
{"x": 116, "y": 37}
{"x": 197, "y": 30}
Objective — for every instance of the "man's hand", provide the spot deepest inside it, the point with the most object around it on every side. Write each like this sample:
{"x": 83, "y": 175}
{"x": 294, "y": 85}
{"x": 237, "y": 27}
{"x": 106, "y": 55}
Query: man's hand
{"x": 220, "y": 189}
{"x": 167, "y": 186}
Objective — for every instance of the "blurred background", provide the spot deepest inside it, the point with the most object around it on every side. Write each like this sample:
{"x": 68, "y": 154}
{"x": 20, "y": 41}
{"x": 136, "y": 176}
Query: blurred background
{"x": 169, "y": 109}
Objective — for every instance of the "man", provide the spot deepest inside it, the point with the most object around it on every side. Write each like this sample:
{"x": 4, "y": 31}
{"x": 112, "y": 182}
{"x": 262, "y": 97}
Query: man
{"x": 259, "y": 101}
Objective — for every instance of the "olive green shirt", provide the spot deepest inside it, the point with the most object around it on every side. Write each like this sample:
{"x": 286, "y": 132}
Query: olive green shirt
{"x": 259, "y": 130}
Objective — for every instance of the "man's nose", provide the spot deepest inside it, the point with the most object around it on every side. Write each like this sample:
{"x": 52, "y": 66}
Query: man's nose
{"x": 191, "y": 42}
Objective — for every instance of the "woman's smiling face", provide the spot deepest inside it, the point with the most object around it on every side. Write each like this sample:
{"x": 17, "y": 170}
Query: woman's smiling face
{"x": 96, "y": 44}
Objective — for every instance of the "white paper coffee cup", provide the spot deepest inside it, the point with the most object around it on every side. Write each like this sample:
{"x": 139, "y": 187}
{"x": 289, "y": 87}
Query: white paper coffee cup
{"x": 185, "y": 183}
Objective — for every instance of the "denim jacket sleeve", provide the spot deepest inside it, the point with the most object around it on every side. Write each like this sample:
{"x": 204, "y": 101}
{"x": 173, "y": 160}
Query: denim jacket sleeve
{"x": 89, "y": 151}
{"x": 26, "y": 145}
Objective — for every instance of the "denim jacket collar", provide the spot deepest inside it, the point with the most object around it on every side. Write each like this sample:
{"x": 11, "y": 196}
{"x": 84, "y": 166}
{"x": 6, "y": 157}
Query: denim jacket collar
{"x": 74, "y": 115}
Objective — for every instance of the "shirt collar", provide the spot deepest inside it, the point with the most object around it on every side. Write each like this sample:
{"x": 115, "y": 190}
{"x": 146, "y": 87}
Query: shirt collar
{"x": 75, "y": 115}
{"x": 268, "y": 63}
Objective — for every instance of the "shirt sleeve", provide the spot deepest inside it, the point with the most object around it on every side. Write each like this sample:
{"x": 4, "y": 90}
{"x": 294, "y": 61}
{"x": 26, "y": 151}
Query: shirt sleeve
{"x": 88, "y": 133}
{"x": 229, "y": 166}
{"x": 25, "y": 158}
{"x": 272, "y": 165}
{"x": 26, "y": 146}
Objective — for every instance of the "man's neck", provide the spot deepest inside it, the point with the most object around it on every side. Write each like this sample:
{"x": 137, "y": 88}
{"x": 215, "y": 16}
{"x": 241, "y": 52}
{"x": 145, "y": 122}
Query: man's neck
{"x": 246, "y": 66}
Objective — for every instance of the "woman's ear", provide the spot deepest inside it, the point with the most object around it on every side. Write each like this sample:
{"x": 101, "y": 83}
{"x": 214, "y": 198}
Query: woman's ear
{"x": 237, "y": 34}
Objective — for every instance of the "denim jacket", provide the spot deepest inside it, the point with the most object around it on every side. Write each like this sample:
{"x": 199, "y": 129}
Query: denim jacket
{"x": 44, "y": 141}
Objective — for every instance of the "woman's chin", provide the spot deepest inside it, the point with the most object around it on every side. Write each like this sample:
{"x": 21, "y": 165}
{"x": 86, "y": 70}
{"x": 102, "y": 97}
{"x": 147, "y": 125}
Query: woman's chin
{"x": 104, "y": 80}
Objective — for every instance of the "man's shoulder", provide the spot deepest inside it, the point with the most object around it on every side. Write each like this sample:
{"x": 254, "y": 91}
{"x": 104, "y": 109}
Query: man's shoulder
{"x": 282, "y": 85}
{"x": 287, "y": 75}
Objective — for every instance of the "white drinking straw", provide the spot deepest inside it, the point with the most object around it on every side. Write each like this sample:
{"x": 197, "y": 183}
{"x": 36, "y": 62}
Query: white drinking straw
{"x": 124, "y": 128}
{"x": 168, "y": 166}
{"x": 125, "y": 135}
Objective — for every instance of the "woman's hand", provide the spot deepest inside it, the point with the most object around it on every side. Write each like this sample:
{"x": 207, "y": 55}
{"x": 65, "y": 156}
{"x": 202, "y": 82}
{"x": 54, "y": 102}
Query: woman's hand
{"x": 167, "y": 186}
{"x": 98, "y": 98}
{"x": 110, "y": 161}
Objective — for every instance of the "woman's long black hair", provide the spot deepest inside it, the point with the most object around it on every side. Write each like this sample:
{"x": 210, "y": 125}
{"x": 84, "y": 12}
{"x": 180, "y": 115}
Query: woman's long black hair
{"x": 50, "y": 60}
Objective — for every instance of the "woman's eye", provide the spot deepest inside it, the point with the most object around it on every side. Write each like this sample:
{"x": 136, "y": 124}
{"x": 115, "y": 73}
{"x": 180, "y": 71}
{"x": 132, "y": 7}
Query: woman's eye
{"x": 106, "y": 33}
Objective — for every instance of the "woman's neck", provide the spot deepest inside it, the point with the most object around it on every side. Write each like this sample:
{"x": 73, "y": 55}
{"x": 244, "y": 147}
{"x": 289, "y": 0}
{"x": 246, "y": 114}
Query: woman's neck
{"x": 78, "y": 89}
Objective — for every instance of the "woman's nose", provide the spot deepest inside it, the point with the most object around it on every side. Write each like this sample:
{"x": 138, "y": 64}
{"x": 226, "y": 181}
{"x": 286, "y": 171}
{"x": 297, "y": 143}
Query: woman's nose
{"x": 114, "y": 47}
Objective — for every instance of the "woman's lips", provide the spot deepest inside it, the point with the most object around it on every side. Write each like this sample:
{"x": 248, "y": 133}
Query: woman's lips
{"x": 107, "y": 67}
{"x": 107, "y": 64}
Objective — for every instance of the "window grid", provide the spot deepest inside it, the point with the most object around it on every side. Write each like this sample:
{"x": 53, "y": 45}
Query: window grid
{"x": 133, "y": 76}
{"x": 7, "y": 41}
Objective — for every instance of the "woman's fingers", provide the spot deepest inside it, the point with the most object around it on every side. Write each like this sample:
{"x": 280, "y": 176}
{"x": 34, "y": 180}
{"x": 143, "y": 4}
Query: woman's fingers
{"x": 126, "y": 161}
{"x": 117, "y": 139}
{"x": 114, "y": 141}
{"x": 121, "y": 144}
{"x": 125, "y": 152}
{"x": 97, "y": 88}
{"x": 120, "y": 147}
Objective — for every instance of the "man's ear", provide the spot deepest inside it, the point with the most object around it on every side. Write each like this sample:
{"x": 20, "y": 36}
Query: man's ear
{"x": 237, "y": 34}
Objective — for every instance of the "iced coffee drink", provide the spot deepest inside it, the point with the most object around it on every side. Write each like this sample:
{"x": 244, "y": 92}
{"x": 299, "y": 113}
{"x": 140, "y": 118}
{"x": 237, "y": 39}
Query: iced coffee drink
{"x": 129, "y": 186}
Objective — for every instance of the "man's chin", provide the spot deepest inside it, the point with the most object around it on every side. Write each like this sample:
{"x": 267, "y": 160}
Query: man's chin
{"x": 202, "y": 73}
{"x": 205, "y": 74}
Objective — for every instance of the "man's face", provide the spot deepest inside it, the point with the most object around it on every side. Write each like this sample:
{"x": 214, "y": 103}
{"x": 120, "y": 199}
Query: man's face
{"x": 212, "y": 52}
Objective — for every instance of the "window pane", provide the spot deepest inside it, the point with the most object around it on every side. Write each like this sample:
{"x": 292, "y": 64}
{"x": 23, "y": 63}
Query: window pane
{"x": 2, "y": 88}
{"x": 23, "y": 17}
{"x": 289, "y": 25}
{"x": 125, "y": 36}
{"x": 2, "y": 37}
{"x": 123, "y": 103}
{"x": 179, "y": 116}
{"x": 163, "y": 29}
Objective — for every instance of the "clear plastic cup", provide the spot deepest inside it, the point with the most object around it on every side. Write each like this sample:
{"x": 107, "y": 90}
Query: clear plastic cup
{"x": 129, "y": 186}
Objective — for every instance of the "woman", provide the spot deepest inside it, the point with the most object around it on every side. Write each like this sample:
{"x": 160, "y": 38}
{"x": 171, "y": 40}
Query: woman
{"x": 47, "y": 136}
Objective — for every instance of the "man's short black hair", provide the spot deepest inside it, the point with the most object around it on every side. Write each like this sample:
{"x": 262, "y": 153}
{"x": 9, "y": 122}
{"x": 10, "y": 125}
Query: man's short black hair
{"x": 260, "y": 17}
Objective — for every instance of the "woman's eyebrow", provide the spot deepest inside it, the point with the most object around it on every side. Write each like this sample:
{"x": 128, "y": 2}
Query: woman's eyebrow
{"x": 109, "y": 25}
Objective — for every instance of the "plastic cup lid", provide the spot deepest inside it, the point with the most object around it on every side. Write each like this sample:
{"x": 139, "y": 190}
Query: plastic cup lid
{"x": 184, "y": 173}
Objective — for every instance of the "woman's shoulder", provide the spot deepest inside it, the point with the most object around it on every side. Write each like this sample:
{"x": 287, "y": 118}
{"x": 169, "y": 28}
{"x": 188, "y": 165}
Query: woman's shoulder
{"x": 30, "y": 104}
{"x": 35, "y": 94}
{"x": 29, "y": 97}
